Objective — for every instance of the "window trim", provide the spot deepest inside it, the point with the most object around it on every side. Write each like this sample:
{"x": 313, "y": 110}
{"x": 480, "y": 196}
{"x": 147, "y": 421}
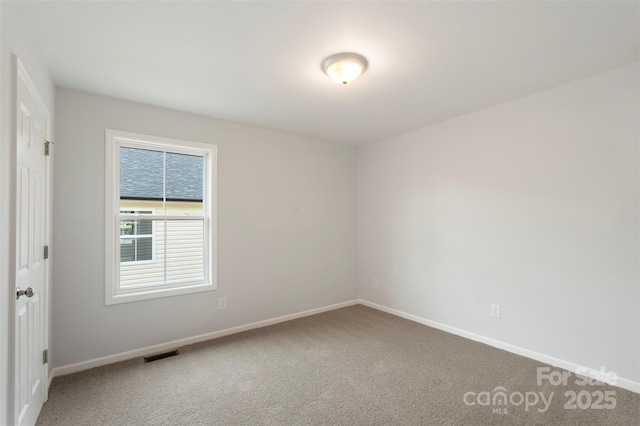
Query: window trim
{"x": 113, "y": 140}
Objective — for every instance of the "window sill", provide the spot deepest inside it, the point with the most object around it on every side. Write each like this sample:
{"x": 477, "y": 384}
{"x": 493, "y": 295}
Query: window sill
{"x": 156, "y": 293}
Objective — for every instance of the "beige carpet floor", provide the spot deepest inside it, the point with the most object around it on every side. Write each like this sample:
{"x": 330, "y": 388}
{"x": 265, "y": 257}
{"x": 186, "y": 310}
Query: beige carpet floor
{"x": 352, "y": 366}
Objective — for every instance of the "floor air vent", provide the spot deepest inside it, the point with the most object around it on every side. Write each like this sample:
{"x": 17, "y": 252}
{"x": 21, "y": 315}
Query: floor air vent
{"x": 163, "y": 355}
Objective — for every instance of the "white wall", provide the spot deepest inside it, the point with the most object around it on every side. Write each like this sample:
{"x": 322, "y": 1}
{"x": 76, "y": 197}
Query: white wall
{"x": 532, "y": 204}
{"x": 13, "y": 39}
{"x": 286, "y": 225}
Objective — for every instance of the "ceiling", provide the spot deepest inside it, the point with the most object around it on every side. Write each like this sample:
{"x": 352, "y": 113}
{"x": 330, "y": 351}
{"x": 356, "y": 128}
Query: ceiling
{"x": 259, "y": 62}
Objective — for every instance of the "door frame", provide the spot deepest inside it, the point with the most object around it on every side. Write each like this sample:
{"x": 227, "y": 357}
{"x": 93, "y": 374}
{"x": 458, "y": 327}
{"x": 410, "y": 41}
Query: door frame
{"x": 19, "y": 74}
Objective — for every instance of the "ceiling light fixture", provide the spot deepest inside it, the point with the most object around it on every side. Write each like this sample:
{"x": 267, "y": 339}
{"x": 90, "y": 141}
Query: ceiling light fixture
{"x": 344, "y": 68}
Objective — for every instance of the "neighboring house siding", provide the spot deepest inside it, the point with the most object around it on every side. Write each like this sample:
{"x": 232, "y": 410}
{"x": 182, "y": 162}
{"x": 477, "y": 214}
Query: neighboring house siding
{"x": 184, "y": 246}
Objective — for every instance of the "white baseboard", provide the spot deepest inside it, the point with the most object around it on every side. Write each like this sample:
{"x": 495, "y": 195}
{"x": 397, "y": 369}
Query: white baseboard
{"x": 123, "y": 356}
{"x": 567, "y": 365}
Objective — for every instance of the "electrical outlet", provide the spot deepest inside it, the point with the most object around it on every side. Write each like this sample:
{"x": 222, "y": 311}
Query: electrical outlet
{"x": 496, "y": 310}
{"x": 375, "y": 283}
{"x": 222, "y": 303}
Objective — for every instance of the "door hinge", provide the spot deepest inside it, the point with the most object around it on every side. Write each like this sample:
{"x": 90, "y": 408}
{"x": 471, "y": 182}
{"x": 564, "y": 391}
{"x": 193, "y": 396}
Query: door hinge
{"x": 45, "y": 356}
{"x": 46, "y": 252}
{"x": 47, "y": 144}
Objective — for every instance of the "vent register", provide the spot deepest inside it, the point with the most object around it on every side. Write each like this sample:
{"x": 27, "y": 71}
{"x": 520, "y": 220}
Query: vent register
{"x": 163, "y": 355}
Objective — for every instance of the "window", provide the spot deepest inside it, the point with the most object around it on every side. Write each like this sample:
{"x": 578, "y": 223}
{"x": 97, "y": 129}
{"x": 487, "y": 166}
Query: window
{"x": 160, "y": 217}
{"x": 137, "y": 238}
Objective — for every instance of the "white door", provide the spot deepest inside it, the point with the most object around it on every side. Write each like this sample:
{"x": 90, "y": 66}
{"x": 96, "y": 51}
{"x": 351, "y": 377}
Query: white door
{"x": 31, "y": 184}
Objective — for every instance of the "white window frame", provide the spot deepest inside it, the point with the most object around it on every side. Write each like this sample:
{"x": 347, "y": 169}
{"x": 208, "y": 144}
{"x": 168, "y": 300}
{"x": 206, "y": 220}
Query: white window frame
{"x": 135, "y": 237}
{"x": 114, "y": 139}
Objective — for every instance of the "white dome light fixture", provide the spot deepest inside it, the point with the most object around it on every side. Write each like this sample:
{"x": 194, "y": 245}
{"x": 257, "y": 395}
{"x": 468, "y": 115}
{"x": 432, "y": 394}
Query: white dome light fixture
{"x": 343, "y": 68}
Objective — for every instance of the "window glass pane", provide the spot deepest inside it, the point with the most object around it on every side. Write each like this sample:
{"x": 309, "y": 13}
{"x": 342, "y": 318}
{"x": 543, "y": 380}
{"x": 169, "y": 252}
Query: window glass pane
{"x": 185, "y": 183}
{"x": 143, "y": 227}
{"x": 136, "y": 227}
{"x": 185, "y": 250}
{"x": 141, "y": 175}
{"x": 144, "y": 249}
{"x": 127, "y": 250}
{"x": 185, "y": 208}
{"x": 126, "y": 227}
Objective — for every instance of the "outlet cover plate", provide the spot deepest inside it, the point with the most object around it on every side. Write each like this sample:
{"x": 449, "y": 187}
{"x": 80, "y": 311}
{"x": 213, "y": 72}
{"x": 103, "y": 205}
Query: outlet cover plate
{"x": 496, "y": 310}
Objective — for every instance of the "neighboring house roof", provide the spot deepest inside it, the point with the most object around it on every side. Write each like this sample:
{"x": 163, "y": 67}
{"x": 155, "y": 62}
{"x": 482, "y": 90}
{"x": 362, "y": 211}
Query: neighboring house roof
{"x": 142, "y": 171}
